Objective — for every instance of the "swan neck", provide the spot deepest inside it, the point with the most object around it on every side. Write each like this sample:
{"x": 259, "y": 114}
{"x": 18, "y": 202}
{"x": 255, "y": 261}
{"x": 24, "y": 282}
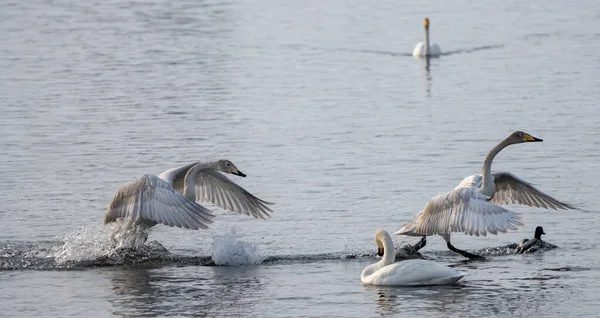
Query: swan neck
{"x": 426, "y": 40}
{"x": 488, "y": 187}
{"x": 189, "y": 185}
{"x": 389, "y": 254}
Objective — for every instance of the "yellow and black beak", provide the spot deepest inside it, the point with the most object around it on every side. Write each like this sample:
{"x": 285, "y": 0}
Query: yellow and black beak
{"x": 530, "y": 138}
{"x": 380, "y": 251}
{"x": 238, "y": 173}
{"x": 426, "y": 22}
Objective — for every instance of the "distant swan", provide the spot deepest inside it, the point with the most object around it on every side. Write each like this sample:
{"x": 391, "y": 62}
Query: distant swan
{"x": 473, "y": 206}
{"x": 425, "y": 49}
{"x": 526, "y": 244}
{"x": 171, "y": 198}
{"x": 414, "y": 272}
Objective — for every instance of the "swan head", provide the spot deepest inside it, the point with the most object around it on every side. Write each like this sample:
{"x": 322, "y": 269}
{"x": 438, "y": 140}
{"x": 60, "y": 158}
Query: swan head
{"x": 426, "y": 23}
{"x": 539, "y": 231}
{"x": 381, "y": 237}
{"x": 227, "y": 166}
{"x": 519, "y": 137}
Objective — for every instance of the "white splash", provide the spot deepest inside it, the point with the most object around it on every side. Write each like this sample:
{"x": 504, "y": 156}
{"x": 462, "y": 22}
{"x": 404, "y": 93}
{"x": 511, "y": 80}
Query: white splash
{"x": 94, "y": 241}
{"x": 227, "y": 250}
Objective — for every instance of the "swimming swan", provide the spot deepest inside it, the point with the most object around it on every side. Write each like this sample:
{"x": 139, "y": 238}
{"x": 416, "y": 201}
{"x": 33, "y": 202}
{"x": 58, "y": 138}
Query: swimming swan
{"x": 526, "y": 244}
{"x": 413, "y": 272}
{"x": 473, "y": 206}
{"x": 171, "y": 198}
{"x": 425, "y": 49}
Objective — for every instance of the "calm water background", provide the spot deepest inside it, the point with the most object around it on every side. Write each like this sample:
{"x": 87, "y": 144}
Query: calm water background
{"x": 322, "y": 106}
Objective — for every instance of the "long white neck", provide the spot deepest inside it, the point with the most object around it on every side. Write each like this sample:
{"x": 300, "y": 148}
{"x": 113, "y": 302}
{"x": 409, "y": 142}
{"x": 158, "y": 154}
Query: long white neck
{"x": 426, "y": 41}
{"x": 488, "y": 187}
{"x": 389, "y": 255}
{"x": 189, "y": 188}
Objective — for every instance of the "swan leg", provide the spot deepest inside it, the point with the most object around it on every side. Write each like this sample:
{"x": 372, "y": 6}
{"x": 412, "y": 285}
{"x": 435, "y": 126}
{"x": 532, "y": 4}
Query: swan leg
{"x": 421, "y": 243}
{"x": 456, "y": 250}
{"x": 464, "y": 253}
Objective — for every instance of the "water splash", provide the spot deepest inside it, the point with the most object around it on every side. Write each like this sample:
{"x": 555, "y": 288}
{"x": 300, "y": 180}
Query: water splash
{"x": 93, "y": 242}
{"x": 85, "y": 244}
{"x": 228, "y": 250}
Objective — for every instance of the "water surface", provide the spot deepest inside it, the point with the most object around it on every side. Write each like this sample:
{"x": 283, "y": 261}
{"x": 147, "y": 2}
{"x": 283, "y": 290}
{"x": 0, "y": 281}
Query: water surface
{"x": 322, "y": 106}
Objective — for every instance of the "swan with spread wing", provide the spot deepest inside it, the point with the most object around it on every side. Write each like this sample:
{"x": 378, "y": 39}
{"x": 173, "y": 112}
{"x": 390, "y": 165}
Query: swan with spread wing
{"x": 173, "y": 197}
{"x": 473, "y": 207}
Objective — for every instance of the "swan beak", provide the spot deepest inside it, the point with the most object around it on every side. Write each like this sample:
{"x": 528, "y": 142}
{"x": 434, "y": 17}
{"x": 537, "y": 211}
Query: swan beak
{"x": 530, "y": 138}
{"x": 426, "y": 22}
{"x": 238, "y": 173}
{"x": 380, "y": 251}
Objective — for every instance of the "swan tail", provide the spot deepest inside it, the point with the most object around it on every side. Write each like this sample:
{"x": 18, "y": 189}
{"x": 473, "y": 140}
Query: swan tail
{"x": 407, "y": 229}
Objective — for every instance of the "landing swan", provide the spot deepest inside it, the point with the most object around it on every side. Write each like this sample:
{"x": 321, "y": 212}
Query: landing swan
{"x": 473, "y": 206}
{"x": 425, "y": 49}
{"x": 414, "y": 272}
{"x": 171, "y": 198}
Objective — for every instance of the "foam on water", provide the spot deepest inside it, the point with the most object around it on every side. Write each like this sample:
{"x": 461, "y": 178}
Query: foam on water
{"x": 91, "y": 242}
{"x": 228, "y": 250}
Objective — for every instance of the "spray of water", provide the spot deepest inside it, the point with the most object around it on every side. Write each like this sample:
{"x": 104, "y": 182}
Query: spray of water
{"x": 228, "y": 250}
{"x": 92, "y": 242}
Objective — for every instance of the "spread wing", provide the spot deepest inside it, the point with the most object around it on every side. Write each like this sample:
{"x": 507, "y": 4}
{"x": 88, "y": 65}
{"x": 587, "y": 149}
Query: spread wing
{"x": 212, "y": 186}
{"x": 461, "y": 210}
{"x": 155, "y": 199}
{"x": 512, "y": 190}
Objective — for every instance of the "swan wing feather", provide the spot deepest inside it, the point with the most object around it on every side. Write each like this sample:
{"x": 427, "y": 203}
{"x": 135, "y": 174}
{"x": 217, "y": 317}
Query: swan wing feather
{"x": 212, "y": 186}
{"x": 512, "y": 190}
{"x": 153, "y": 198}
{"x": 175, "y": 176}
{"x": 461, "y": 210}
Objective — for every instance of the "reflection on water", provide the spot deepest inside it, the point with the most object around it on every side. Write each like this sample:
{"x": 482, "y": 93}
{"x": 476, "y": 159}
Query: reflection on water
{"x": 428, "y": 78}
{"x": 525, "y": 297}
{"x": 187, "y": 291}
{"x": 428, "y": 299}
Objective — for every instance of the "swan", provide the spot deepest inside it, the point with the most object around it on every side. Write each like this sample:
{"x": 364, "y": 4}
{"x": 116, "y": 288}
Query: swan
{"x": 473, "y": 207}
{"x": 413, "y": 272}
{"x": 425, "y": 49}
{"x": 172, "y": 197}
{"x": 526, "y": 244}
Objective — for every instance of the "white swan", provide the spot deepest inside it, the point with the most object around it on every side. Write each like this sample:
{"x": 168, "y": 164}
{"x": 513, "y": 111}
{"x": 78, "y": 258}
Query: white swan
{"x": 413, "y": 272}
{"x": 171, "y": 198}
{"x": 473, "y": 206}
{"x": 426, "y": 49}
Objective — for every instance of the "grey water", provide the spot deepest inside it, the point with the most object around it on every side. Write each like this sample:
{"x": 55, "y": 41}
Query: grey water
{"x": 322, "y": 105}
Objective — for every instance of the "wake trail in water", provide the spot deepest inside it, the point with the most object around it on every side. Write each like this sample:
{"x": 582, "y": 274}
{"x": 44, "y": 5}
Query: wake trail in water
{"x": 95, "y": 246}
{"x": 393, "y": 53}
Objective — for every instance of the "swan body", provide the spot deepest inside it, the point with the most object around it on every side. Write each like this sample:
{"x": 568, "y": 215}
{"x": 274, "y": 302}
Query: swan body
{"x": 414, "y": 272}
{"x": 426, "y": 49}
{"x": 420, "y": 50}
{"x": 172, "y": 197}
{"x": 473, "y": 207}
